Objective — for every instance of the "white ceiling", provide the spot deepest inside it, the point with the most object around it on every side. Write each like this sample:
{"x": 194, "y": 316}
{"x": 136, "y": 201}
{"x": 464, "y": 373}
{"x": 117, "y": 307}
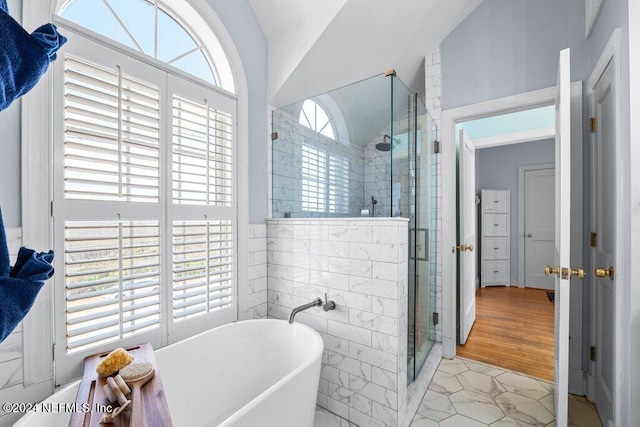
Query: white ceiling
{"x": 319, "y": 45}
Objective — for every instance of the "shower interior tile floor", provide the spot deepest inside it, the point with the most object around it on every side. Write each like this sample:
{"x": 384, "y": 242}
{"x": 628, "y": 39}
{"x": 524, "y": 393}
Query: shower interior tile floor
{"x": 464, "y": 393}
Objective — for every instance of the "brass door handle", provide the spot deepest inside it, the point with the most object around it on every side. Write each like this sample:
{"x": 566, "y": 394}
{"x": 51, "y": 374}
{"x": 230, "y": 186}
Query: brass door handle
{"x": 464, "y": 247}
{"x": 566, "y": 272}
{"x": 548, "y": 271}
{"x": 578, "y": 272}
{"x": 605, "y": 272}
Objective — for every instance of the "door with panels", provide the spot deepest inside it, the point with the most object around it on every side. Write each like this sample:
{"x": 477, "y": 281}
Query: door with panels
{"x": 495, "y": 249}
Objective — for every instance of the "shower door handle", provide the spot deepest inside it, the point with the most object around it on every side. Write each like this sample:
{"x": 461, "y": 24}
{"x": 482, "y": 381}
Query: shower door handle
{"x": 419, "y": 254}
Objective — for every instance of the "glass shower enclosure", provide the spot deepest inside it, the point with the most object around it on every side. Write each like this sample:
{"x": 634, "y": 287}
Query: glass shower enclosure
{"x": 366, "y": 150}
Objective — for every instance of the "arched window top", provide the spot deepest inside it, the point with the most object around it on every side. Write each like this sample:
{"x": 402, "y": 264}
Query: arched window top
{"x": 151, "y": 27}
{"x": 315, "y": 117}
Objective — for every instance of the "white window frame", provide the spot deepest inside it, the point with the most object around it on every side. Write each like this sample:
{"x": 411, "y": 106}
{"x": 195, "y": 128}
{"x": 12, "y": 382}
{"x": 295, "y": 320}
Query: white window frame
{"x": 37, "y": 191}
{"x": 314, "y": 126}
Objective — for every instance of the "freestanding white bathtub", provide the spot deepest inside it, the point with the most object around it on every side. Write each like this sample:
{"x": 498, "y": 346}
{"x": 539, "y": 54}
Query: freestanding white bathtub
{"x": 245, "y": 374}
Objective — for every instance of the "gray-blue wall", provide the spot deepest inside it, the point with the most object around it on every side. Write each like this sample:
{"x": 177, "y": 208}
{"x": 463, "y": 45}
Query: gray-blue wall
{"x": 497, "y": 168}
{"x": 251, "y": 43}
{"x": 506, "y": 47}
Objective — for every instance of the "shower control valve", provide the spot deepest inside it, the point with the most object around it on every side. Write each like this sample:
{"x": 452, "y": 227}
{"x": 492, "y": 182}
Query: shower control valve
{"x": 328, "y": 305}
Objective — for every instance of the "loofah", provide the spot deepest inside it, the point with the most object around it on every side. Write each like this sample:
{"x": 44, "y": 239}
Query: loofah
{"x": 113, "y": 362}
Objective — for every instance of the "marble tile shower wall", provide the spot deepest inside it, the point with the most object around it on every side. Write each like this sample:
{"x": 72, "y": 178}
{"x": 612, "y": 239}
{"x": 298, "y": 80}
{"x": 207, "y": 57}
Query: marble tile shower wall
{"x": 377, "y": 174}
{"x": 361, "y": 264}
{"x": 288, "y": 162}
{"x": 376, "y": 178}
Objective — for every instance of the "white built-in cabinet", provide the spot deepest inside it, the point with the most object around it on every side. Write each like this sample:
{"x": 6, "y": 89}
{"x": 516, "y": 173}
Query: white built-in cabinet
{"x": 495, "y": 222}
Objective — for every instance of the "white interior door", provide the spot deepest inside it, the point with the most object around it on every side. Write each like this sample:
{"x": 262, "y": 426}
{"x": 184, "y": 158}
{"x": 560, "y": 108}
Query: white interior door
{"x": 604, "y": 225}
{"x": 562, "y": 236}
{"x": 467, "y": 244}
{"x": 539, "y": 226}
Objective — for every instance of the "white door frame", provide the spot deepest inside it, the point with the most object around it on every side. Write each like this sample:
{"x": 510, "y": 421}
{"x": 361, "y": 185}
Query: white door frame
{"x": 632, "y": 178}
{"x": 450, "y": 118}
{"x": 610, "y": 53}
{"x": 521, "y": 171}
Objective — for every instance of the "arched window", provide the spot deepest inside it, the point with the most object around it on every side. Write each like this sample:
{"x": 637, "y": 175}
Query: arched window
{"x": 144, "y": 178}
{"x": 325, "y": 168}
{"x": 313, "y": 116}
{"x": 150, "y": 27}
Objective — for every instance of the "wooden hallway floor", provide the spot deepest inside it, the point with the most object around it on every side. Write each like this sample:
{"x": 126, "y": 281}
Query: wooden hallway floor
{"x": 513, "y": 330}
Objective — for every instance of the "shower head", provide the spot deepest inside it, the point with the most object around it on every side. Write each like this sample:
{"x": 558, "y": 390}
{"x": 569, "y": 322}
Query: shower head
{"x": 385, "y": 145}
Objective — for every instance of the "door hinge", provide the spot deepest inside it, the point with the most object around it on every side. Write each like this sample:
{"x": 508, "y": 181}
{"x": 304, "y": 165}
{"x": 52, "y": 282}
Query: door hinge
{"x": 593, "y": 240}
{"x": 53, "y": 351}
{"x": 436, "y": 146}
{"x": 51, "y": 209}
{"x": 436, "y": 318}
{"x": 592, "y": 353}
{"x": 593, "y": 124}
{"x": 274, "y": 136}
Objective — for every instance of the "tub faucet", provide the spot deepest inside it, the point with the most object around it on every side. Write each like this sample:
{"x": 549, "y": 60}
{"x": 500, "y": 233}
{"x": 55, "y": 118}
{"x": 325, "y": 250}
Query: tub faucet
{"x": 315, "y": 303}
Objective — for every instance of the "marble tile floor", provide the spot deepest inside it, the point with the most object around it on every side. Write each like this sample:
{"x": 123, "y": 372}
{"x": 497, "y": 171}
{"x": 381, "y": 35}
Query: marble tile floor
{"x": 464, "y": 393}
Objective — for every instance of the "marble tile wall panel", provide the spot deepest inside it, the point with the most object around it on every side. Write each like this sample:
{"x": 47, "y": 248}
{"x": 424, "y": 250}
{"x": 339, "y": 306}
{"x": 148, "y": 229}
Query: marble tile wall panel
{"x": 361, "y": 264}
{"x": 257, "y": 274}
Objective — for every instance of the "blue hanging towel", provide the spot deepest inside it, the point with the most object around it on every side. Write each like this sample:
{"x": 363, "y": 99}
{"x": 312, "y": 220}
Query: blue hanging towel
{"x": 24, "y": 57}
{"x": 20, "y": 284}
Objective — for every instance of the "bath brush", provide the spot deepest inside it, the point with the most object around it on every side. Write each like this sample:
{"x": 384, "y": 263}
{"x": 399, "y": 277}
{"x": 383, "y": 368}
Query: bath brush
{"x": 113, "y": 362}
{"x": 136, "y": 375}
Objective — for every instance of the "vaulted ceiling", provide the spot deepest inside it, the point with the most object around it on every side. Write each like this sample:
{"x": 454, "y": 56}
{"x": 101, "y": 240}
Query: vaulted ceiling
{"x": 319, "y": 45}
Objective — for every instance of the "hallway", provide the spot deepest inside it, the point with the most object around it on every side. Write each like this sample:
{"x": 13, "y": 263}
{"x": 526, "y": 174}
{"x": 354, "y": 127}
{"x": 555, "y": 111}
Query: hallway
{"x": 513, "y": 330}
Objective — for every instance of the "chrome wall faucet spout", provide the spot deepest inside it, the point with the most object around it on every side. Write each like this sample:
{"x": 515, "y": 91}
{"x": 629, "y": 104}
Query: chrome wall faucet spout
{"x": 315, "y": 303}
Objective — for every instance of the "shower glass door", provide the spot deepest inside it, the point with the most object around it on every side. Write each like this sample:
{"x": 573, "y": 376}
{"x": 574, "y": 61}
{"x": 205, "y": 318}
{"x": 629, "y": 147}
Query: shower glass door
{"x": 413, "y": 188}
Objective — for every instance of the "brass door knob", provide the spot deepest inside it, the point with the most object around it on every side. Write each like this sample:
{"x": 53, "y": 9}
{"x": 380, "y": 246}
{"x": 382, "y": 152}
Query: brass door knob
{"x": 464, "y": 247}
{"x": 548, "y": 271}
{"x": 605, "y": 272}
{"x": 578, "y": 272}
{"x": 470, "y": 248}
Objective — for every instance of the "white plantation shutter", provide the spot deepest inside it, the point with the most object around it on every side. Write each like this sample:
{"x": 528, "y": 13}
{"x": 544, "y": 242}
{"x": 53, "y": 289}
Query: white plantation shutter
{"x": 202, "y": 267}
{"x": 144, "y": 205}
{"x": 338, "y": 184}
{"x": 314, "y": 185}
{"x": 202, "y": 208}
{"x": 325, "y": 181}
{"x": 112, "y": 135}
{"x": 112, "y": 275}
{"x": 202, "y": 154}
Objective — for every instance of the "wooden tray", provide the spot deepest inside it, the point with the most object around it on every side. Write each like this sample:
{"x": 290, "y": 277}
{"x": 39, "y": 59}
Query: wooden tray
{"x": 91, "y": 395}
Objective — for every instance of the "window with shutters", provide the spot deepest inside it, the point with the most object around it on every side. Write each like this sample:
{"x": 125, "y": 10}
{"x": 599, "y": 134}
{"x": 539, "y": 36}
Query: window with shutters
{"x": 325, "y": 175}
{"x": 325, "y": 181}
{"x": 144, "y": 184}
